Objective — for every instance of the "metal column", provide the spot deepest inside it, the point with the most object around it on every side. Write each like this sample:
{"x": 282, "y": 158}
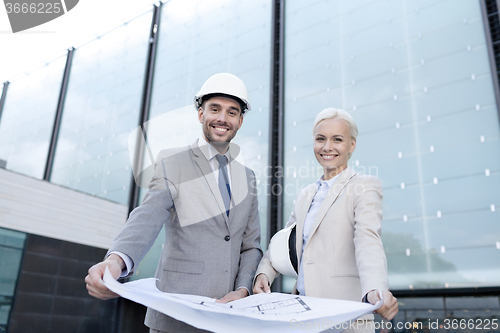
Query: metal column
{"x": 491, "y": 21}
{"x": 4, "y": 95}
{"x": 57, "y": 120}
{"x": 144, "y": 110}
{"x": 275, "y": 201}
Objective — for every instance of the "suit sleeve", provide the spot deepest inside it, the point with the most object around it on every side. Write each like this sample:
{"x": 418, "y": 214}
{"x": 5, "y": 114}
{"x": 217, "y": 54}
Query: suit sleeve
{"x": 265, "y": 266}
{"x": 145, "y": 222}
{"x": 369, "y": 251}
{"x": 250, "y": 253}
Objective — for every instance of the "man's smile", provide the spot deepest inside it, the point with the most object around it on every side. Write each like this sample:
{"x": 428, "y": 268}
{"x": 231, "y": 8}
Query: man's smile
{"x": 220, "y": 129}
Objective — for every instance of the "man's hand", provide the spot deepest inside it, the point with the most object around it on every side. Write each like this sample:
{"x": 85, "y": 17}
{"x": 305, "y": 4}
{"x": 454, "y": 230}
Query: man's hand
{"x": 389, "y": 309}
{"x": 261, "y": 284}
{"x": 95, "y": 286}
{"x": 233, "y": 296}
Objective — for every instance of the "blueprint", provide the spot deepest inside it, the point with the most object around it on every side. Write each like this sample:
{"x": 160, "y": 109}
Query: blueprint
{"x": 273, "y": 313}
{"x": 280, "y": 304}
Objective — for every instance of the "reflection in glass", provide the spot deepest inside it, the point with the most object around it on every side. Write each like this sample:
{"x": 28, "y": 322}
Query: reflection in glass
{"x": 101, "y": 109}
{"x": 11, "y": 251}
{"x": 28, "y": 117}
{"x": 416, "y": 77}
{"x": 193, "y": 46}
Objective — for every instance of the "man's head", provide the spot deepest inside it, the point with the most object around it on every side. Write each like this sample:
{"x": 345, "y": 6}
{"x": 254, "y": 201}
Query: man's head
{"x": 221, "y": 103}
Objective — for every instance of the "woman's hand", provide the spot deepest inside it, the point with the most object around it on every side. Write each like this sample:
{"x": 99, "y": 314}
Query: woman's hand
{"x": 261, "y": 284}
{"x": 389, "y": 308}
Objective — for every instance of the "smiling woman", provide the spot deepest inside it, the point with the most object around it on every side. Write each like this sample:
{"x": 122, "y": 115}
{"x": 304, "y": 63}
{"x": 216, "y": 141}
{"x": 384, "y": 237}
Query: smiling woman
{"x": 339, "y": 218}
{"x": 334, "y": 140}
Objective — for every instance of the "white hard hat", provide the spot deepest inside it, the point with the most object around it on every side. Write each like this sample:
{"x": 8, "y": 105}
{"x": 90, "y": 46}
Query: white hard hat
{"x": 283, "y": 253}
{"x": 225, "y": 84}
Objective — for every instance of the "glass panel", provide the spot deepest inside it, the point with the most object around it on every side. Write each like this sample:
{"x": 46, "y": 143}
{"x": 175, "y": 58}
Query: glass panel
{"x": 416, "y": 77}
{"x": 11, "y": 251}
{"x": 101, "y": 109}
{"x": 28, "y": 118}
{"x": 10, "y": 259}
{"x": 192, "y": 47}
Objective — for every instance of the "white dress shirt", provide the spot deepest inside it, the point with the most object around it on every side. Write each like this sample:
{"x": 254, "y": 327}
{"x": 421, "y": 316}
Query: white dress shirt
{"x": 322, "y": 188}
{"x": 209, "y": 152}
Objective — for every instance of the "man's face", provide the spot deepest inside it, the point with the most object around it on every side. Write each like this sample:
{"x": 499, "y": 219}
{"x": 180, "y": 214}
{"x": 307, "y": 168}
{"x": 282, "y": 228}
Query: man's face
{"x": 221, "y": 118}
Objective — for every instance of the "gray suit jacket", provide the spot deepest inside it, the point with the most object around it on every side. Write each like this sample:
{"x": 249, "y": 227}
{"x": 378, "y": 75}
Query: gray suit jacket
{"x": 206, "y": 252}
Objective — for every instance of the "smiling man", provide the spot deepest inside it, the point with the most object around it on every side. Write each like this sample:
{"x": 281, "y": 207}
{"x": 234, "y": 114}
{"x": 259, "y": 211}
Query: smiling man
{"x": 207, "y": 202}
{"x": 221, "y": 118}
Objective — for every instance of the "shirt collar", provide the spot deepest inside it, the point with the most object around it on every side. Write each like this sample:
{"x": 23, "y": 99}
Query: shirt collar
{"x": 328, "y": 183}
{"x": 209, "y": 151}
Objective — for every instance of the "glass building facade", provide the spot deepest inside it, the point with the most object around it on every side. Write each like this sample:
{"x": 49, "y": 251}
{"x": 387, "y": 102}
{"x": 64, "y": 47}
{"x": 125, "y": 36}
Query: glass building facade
{"x": 101, "y": 108}
{"x": 27, "y": 120}
{"x": 11, "y": 251}
{"x": 417, "y": 76}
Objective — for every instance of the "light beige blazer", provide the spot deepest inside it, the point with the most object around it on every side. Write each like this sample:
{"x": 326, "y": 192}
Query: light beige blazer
{"x": 344, "y": 257}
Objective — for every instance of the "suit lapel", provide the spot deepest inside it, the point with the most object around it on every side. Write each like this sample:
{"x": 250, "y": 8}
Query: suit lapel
{"x": 330, "y": 198}
{"x": 239, "y": 186}
{"x": 207, "y": 172}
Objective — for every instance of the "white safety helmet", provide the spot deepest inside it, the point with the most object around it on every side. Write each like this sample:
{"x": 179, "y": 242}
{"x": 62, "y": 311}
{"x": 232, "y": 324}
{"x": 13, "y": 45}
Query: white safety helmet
{"x": 283, "y": 253}
{"x": 225, "y": 84}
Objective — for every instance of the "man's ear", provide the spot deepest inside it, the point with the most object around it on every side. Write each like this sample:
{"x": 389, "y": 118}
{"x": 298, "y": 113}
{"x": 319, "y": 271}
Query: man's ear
{"x": 200, "y": 114}
{"x": 241, "y": 121}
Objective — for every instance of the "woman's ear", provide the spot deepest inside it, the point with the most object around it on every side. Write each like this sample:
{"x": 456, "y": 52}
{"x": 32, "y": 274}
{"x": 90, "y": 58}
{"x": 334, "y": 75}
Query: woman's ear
{"x": 353, "y": 146}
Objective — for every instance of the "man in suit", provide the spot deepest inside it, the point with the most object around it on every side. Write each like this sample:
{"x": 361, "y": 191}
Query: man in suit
{"x": 207, "y": 202}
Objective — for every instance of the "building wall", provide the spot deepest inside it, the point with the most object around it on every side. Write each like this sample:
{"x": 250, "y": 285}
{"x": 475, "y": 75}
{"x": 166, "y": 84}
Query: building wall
{"x": 51, "y": 295}
{"x": 444, "y": 314}
{"x": 52, "y": 236}
{"x": 42, "y": 208}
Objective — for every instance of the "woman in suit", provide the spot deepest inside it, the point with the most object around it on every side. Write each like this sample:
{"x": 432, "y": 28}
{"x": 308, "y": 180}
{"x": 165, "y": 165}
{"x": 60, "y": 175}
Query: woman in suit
{"x": 339, "y": 217}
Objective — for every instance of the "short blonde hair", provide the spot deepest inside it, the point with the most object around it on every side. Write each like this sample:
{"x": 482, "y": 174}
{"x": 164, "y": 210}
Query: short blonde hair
{"x": 331, "y": 113}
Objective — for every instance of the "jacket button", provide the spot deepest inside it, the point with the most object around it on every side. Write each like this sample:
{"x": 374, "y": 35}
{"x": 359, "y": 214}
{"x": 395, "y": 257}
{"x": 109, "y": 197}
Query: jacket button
{"x": 227, "y": 238}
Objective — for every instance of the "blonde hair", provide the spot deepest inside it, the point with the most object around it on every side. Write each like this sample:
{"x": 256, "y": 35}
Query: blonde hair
{"x": 331, "y": 113}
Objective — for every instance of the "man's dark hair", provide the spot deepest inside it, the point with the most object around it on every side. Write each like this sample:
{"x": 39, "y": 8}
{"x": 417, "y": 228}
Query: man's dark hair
{"x": 243, "y": 107}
